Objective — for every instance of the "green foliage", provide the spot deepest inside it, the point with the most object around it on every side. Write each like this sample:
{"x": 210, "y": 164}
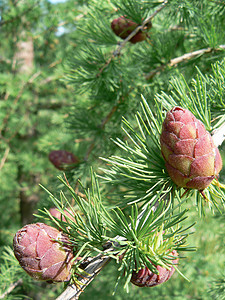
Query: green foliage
{"x": 11, "y": 272}
{"x": 203, "y": 268}
{"x": 141, "y": 238}
{"x": 83, "y": 82}
{"x": 200, "y": 98}
{"x": 136, "y": 10}
{"x": 112, "y": 77}
{"x": 88, "y": 227}
{"x": 142, "y": 172}
{"x": 217, "y": 289}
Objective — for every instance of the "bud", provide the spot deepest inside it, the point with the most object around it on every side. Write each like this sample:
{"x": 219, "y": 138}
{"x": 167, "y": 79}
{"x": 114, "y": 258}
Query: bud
{"x": 57, "y": 214}
{"x": 123, "y": 27}
{"x": 63, "y": 160}
{"x": 43, "y": 252}
{"x": 146, "y": 278}
{"x": 192, "y": 159}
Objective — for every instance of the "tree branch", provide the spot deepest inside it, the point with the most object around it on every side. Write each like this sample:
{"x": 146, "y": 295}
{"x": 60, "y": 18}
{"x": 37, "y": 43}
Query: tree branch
{"x": 4, "y": 158}
{"x": 73, "y": 291}
{"x": 18, "y": 17}
{"x": 29, "y": 81}
{"x": 182, "y": 58}
{"x": 137, "y": 29}
{"x": 93, "y": 268}
{"x": 121, "y": 45}
{"x": 11, "y": 288}
{"x": 96, "y": 264}
{"x": 103, "y": 123}
{"x": 115, "y": 54}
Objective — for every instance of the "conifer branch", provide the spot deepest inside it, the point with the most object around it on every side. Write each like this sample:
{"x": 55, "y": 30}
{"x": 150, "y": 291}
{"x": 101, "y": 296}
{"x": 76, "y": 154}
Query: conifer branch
{"x": 4, "y": 158}
{"x": 121, "y": 45}
{"x": 25, "y": 12}
{"x": 105, "y": 65}
{"x": 96, "y": 264}
{"x": 73, "y": 291}
{"x": 90, "y": 149}
{"x": 137, "y": 29}
{"x": 20, "y": 93}
{"x": 181, "y": 59}
{"x": 107, "y": 118}
{"x": 93, "y": 268}
{"x": 11, "y": 288}
{"x": 103, "y": 123}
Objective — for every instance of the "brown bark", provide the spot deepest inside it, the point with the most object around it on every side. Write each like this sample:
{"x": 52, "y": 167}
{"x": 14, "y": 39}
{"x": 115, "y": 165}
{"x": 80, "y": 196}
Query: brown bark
{"x": 24, "y": 56}
{"x": 23, "y": 63}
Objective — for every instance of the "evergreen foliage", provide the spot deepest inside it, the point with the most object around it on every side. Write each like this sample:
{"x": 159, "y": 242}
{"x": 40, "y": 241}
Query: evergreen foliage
{"x": 78, "y": 85}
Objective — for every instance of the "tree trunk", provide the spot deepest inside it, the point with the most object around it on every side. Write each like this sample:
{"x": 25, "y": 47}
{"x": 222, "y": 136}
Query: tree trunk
{"x": 24, "y": 64}
{"x": 24, "y": 55}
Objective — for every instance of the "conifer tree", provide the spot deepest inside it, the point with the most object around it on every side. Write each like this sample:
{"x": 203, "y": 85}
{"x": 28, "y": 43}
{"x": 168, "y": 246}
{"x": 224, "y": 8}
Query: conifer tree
{"x": 116, "y": 198}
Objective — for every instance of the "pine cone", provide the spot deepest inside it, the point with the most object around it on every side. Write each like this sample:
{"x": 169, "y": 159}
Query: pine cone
{"x": 192, "y": 159}
{"x": 146, "y": 278}
{"x": 123, "y": 27}
{"x": 37, "y": 248}
{"x": 63, "y": 160}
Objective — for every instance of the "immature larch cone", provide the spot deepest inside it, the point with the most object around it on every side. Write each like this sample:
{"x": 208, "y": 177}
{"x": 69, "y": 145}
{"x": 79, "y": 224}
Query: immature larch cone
{"x": 192, "y": 159}
{"x": 63, "y": 160}
{"x": 123, "y": 27}
{"x": 43, "y": 252}
{"x": 146, "y": 278}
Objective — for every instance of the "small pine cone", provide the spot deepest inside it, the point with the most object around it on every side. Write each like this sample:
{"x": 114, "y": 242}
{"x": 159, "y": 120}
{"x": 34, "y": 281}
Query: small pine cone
{"x": 146, "y": 278}
{"x": 40, "y": 252}
{"x": 63, "y": 160}
{"x": 123, "y": 27}
{"x": 192, "y": 159}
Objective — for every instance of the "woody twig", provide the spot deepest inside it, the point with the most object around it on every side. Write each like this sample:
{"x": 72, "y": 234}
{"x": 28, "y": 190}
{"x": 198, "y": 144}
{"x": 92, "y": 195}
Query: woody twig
{"x": 183, "y": 58}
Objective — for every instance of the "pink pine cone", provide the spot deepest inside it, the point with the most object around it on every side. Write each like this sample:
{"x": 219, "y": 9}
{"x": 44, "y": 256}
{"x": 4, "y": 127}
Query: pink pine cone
{"x": 63, "y": 160}
{"x": 192, "y": 159}
{"x": 146, "y": 278}
{"x": 123, "y": 27}
{"x": 37, "y": 248}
